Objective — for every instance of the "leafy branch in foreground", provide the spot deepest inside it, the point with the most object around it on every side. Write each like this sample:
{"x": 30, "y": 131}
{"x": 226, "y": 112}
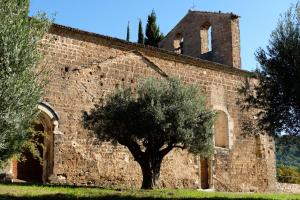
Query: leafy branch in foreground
{"x": 20, "y": 85}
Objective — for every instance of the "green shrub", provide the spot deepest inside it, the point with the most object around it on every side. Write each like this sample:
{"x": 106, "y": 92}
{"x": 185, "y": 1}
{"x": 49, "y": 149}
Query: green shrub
{"x": 287, "y": 174}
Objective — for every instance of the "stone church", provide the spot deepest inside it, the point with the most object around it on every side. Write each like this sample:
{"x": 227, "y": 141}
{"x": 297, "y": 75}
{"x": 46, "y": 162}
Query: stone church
{"x": 202, "y": 49}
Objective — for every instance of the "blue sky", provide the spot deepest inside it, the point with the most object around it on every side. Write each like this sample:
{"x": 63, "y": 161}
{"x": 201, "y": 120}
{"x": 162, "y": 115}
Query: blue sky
{"x": 110, "y": 17}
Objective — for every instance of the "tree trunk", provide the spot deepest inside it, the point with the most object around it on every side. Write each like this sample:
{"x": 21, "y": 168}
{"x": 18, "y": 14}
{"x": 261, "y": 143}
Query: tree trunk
{"x": 151, "y": 171}
{"x": 149, "y": 160}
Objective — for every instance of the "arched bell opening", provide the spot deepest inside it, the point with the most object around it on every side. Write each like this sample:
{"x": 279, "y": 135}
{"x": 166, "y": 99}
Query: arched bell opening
{"x": 206, "y": 38}
{"x": 178, "y": 43}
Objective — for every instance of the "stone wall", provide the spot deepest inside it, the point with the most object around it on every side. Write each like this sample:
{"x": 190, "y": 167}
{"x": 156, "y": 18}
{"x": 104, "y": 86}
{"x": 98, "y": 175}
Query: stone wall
{"x": 288, "y": 188}
{"x": 84, "y": 68}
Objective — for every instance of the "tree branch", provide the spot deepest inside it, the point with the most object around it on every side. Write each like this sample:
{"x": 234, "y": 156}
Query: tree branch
{"x": 133, "y": 147}
{"x": 166, "y": 150}
{"x": 179, "y": 146}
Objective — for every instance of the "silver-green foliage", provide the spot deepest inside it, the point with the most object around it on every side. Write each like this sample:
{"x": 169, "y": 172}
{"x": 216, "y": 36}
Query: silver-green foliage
{"x": 162, "y": 115}
{"x": 277, "y": 95}
{"x": 20, "y": 89}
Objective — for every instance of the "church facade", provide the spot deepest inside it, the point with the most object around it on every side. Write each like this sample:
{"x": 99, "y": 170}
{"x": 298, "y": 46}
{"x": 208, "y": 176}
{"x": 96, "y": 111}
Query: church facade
{"x": 202, "y": 49}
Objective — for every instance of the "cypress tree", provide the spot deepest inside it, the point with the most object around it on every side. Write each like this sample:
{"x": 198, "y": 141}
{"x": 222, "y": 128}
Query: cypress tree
{"x": 128, "y": 33}
{"x": 141, "y": 33}
{"x": 153, "y": 34}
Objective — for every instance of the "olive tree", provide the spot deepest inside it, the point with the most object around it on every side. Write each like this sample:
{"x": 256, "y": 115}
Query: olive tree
{"x": 20, "y": 87}
{"x": 277, "y": 94}
{"x": 160, "y": 116}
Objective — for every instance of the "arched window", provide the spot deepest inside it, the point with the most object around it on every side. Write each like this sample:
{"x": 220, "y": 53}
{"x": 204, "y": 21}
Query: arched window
{"x": 206, "y": 38}
{"x": 178, "y": 43}
{"x": 221, "y": 130}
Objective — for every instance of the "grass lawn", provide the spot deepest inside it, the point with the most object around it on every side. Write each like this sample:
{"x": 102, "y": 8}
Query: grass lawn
{"x": 34, "y": 192}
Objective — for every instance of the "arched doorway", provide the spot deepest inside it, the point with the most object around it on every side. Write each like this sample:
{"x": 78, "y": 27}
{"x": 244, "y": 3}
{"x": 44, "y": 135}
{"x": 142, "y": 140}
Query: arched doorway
{"x": 32, "y": 169}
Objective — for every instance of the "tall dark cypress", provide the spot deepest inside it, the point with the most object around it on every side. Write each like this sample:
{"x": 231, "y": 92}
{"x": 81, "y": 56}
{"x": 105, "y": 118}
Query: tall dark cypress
{"x": 128, "y": 33}
{"x": 153, "y": 34}
{"x": 141, "y": 39}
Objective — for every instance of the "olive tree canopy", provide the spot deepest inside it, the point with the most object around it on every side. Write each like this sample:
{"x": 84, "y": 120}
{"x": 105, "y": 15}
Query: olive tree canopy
{"x": 277, "y": 94}
{"x": 20, "y": 89}
{"x": 161, "y": 116}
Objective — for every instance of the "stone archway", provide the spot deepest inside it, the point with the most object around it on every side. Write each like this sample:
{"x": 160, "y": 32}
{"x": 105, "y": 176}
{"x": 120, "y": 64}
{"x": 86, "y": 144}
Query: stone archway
{"x": 33, "y": 170}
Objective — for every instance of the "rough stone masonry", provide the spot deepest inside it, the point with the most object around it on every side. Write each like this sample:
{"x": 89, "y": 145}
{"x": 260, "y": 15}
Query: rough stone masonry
{"x": 203, "y": 49}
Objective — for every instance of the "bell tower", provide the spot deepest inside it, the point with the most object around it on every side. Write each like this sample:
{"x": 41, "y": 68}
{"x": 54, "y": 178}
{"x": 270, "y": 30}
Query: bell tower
{"x": 207, "y": 35}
